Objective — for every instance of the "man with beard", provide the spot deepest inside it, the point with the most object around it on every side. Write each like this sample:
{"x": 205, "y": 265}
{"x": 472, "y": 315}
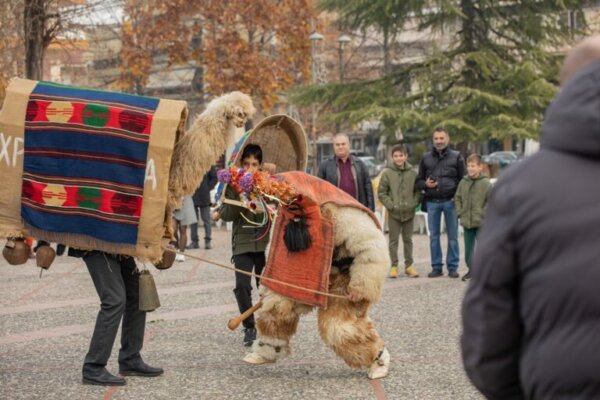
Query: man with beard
{"x": 440, "y": 171}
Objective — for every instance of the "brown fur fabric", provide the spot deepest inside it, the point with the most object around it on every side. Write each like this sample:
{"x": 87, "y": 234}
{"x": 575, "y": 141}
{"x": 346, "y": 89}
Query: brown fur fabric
{"x": 203, "y": 144}
{"x": 345, "y": 325}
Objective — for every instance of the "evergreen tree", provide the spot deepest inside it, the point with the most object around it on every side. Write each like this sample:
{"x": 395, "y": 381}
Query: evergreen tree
{"x": 492, "y": 76}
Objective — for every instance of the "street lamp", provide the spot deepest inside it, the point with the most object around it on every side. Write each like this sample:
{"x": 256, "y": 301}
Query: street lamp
{"x": 342, "y": 41}
{"x": 314, "y": 38}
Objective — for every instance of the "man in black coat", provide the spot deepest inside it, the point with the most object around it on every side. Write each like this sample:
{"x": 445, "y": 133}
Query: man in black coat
{"x": 531, "y": 315}
{"x": 440, "y": 171}
{"x": 348, "y": 172}
{"x": 202, "y": 202}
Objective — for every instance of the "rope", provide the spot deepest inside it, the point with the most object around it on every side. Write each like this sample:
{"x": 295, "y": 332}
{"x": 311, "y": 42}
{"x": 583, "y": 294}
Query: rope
{"x": 253, "y": 274}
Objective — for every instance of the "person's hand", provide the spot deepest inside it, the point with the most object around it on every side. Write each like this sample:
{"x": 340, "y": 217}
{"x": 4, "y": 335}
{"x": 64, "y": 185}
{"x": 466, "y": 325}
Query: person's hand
{"x": 216, "y": 215}
{"x": 430, "y": 183}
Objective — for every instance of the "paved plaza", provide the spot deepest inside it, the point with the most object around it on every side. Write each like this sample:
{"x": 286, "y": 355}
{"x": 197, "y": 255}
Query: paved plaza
{"x": 46, "y": 324}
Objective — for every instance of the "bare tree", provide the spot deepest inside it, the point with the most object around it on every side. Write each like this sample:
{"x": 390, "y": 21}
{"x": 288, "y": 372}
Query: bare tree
{"x": 41, "y": 22}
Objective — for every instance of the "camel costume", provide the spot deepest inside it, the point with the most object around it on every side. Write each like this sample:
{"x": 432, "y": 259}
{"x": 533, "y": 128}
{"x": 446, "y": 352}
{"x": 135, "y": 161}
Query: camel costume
{"x": 347, "y": 256}
{"x": 83, "y": 161}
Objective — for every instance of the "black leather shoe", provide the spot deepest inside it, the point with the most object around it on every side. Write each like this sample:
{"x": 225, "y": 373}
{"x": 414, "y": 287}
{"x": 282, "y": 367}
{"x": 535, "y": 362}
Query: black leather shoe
{"x": 207, "y": 245}
{"x": 435, "y": 273}
{"x": 140, "y": 368}
{"x": 453, "y": 274}
{"x": 193, "y": 245}
{"x": 102, "y": 378}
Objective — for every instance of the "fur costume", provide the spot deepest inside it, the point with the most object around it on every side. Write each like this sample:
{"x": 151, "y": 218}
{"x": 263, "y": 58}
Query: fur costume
{"x": 344, "y": 324}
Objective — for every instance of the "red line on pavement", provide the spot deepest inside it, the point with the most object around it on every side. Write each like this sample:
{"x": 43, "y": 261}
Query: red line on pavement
{"x": 109, "y": 392}
{"x": 94, "y": 300}
{"x": 85, "y": 328}
{"x": 49, "y": 282}
{"x": 379, "y": 392}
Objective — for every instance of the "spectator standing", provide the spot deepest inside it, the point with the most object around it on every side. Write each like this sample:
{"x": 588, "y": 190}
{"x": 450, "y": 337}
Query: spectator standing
{"x": 531, "y": 313}
{"x": 471, "y": 199}
{"x": 348, "y": 172}
{"x": 183, "y": 217}
{"x": 440, "y": 171}
{"x": 400, "y": 196}
{"x": 202, "y": 203}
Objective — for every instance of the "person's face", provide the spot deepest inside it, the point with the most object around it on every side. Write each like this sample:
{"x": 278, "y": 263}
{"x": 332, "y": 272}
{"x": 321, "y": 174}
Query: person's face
{"x": 250, "y": 163}
{"x": 341, "y": 147}
{"x": 440, "y": 140}
{"x": 474, "y": 169}
{"x": 399, "y": 158}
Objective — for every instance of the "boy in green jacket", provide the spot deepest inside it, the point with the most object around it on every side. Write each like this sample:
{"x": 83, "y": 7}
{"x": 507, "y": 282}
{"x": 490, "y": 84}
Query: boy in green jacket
{"x": 470, "y": 200}
{"x": 248, "y": 247}
{"x": 400, "y": 196}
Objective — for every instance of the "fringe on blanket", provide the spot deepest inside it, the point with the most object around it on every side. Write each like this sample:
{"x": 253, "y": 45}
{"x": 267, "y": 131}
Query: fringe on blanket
{"x": 151, "y": 254}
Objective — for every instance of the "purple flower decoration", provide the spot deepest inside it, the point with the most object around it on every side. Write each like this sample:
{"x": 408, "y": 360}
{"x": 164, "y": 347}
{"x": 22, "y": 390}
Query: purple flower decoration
{"x": 247, "y": 183}
{"x": 224, "y": 176}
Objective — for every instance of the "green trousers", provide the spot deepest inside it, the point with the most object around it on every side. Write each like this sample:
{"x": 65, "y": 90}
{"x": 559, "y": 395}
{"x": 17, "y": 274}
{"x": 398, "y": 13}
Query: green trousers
{"x": 405, "y": 228}
{"x": 470, "y": 237}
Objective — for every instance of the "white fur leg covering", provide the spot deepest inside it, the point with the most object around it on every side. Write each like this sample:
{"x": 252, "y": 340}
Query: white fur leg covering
{"x": 271, "y": 348}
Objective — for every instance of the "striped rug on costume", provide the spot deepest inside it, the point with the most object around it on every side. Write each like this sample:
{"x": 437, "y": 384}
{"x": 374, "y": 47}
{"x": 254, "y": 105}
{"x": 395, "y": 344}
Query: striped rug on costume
{"x": 85, "y": 155}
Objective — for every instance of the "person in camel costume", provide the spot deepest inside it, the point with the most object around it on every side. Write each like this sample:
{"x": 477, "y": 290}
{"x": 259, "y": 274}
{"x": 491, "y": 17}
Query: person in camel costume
{"x": 358, "y": 260}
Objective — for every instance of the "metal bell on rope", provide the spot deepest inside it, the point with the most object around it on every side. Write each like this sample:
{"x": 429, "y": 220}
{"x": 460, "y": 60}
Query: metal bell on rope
{"x": 16, "y": 251}
{"x": 148, "y": 294}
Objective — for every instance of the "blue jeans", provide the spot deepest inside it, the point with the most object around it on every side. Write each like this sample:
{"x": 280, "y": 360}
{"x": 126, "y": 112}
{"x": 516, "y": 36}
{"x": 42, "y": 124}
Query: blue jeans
{"x": 434, "y": 219}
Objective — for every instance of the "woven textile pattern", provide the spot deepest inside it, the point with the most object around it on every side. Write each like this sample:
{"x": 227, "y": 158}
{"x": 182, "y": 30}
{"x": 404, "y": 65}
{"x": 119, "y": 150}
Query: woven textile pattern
{"x": 85, "y": 157}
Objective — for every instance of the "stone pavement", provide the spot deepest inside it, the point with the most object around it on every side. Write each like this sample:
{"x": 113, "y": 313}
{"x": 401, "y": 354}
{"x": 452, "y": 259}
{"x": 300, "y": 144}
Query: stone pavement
{"x": 46, "y": 325}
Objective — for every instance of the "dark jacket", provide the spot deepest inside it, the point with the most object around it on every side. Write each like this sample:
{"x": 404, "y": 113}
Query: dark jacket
{"x": 531, "y": 314}
{"x": 201, "y": 196}
{"x": 244, "y": 236}
{"x": 328, "y": 170}
{"x": 398, "y": 191}
{"x": 471, "y": 200}
{"x": 446, "y": 168}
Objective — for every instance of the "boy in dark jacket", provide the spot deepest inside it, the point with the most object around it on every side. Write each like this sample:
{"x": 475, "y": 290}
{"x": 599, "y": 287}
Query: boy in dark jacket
{"x": 470, "y": 200}
{"x": 248, "y": 250}
{"x": 400, "y": 196}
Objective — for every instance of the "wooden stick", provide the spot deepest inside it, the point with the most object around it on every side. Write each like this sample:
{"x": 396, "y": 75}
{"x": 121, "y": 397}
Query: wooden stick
{"x": 235, "y": 322}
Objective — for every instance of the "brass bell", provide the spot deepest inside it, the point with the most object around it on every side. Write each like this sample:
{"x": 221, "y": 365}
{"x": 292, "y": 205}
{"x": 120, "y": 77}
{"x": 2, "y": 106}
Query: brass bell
{"x": 16, "y": 251}
{"x": 167, "y": 260}
{"x": 44, "y": 256}
{"x": 148, "y": 294}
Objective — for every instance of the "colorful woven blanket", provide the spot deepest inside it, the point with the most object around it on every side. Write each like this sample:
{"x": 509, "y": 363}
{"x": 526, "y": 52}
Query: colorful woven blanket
{"x": 90, "y": 161}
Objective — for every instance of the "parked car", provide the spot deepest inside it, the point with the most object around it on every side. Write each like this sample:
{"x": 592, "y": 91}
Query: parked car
{"x": 504, "y": 158}
{"x": 374, "y": 166}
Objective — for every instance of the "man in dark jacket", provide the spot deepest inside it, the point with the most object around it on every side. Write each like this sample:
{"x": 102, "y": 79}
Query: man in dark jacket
{"x": 348, "y": 172}
{"x": 531, "y": 314}
{"x": 440, "y": 171}
{"x": 202, "y": 202}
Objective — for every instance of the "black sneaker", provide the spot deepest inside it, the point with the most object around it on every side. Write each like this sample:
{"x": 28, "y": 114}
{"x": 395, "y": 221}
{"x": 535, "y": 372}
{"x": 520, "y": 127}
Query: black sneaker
{"x": 193, "y": 245}
{"x": 435, "y": 273}
{"x": 452, "y": 274}
{"x": 249, "y": 336}
{"x": 466, "y": 276}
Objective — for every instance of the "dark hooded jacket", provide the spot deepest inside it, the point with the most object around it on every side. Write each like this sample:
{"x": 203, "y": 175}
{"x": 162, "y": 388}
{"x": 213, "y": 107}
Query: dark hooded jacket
{"x": 447, "y": 168}
{"x": 531, "y": 314}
